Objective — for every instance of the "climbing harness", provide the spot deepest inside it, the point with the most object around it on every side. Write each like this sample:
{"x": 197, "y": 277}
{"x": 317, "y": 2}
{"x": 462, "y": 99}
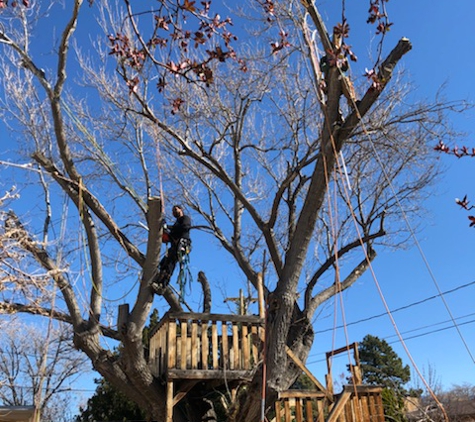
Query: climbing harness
{"x": 184, "y": 276}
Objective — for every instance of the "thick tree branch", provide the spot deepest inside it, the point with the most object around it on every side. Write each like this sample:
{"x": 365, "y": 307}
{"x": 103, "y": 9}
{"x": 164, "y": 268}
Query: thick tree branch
{"x": 206, "y": 292}
{"x": 312, "y": 10}
{"x": 332, "y": 259}
{"x": 340, "y": 287}
{"x": 385, "y": 74}
{"x": 12, "y": 308}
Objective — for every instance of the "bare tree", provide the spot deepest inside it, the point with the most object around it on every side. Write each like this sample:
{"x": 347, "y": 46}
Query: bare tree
{"x": 254, "y": 138}
{"x": 37, "y": 366}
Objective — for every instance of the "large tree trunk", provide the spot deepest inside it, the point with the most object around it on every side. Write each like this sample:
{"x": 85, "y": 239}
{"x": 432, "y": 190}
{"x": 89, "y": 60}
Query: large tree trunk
{"x": 299, "y": 339}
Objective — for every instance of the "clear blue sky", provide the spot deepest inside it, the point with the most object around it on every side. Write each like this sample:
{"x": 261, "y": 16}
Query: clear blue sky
{"x": 442, "y": 39}
{"x": 411, "y": 279}
{"x": 443, "y": 52}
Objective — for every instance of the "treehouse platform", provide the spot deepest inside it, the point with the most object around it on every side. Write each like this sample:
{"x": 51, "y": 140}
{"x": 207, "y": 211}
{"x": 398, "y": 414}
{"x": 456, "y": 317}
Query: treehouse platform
{"x": 187, "y": 348}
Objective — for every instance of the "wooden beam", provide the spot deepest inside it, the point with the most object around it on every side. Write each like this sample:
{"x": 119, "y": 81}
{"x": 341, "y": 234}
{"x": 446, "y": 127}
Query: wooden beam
{"x": 339, "y": 406}
{"x": 183, "y": 390}
{"x": 302, "y": 366}
{"x": 169, "y": 409}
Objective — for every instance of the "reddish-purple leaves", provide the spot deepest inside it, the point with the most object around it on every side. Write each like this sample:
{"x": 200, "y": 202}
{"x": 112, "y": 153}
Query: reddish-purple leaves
{"x": 458, "y": 152}
{"x": 282, "y": 43}
{"x": 464, "y": 203}
{"x": 176, "y": 105}
{"x": 14, "y": 3}
{"x": 377, "y": 14}
{"x": 372, "y": 76}
{"x": 180, "y": 25}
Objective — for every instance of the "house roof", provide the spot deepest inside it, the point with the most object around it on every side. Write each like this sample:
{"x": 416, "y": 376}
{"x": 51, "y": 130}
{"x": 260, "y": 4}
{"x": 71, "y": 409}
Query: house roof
{"x": 17, "y": 413}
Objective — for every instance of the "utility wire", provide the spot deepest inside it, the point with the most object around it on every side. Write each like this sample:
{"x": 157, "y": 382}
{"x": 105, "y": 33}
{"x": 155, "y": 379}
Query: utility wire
{"x": 409, "y": 338}
{"x": 398, "y": 309}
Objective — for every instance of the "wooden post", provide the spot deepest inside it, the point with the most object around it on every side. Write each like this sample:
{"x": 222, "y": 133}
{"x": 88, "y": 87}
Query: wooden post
{"x": 169, "y": 415}
{"x": 260, "y": 295}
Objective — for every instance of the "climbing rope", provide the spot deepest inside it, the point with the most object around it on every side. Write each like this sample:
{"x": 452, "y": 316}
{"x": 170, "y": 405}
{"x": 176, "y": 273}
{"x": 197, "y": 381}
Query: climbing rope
{"x": 184, "y": 276}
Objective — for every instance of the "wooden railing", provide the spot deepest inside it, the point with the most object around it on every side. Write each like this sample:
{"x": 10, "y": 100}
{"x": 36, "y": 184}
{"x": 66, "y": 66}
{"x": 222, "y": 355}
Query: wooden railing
{"x": 353, "y": 404}
{"x": 205, "y": 346}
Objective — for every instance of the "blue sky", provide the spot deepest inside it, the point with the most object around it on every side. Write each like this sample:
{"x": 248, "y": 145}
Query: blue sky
{"x": 441, "y": 257}
{"x": 442, "y": 53}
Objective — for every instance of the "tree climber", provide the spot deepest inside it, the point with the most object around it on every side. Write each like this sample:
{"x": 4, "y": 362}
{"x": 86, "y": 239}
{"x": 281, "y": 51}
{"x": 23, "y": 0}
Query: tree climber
{"x": 180, "y": 245}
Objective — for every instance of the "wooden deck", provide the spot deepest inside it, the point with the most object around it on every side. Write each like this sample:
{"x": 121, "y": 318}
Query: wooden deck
{"x": 354, "y": 404}
{"x": 186, "y": 348}
{"x": 205, "y": 346}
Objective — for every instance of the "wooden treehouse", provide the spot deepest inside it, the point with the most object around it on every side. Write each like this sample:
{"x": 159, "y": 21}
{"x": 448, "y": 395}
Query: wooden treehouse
{"x": 187, "y": 348}
{"x": 356, "y": 403}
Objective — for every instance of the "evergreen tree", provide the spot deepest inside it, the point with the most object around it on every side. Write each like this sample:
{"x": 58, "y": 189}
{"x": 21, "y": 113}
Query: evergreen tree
{"x": 380, "y": 365}
{"x": 109, "y": 405}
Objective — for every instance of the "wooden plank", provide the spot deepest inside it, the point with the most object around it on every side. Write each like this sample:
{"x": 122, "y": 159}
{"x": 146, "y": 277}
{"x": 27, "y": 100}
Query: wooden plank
{"x": 169, "y": 404}
{"x": 363, "y": 389}
{"x": 309, "y": 410}
{"x": 235, "y": 347}
{"x": 301, "y": 394}
{"x": 209, "y": 374}
{"x": 260, "y": 296}
{"x": 254, "y": 349}
{"x": 329, "y": 383}
{"x": 214, "y": 317}
{"x": 341, "y": 350}
{"x": 224, "y": 346}
{"x": 372, "y": 408}
{"x": 123, "y": 315}
{"x": 178, "y": 351}
{"x": 287, "y": 414}
{"x": 204, "y": 345}
{"x": 351, "y": 411}
{"x": 298, "y": 410}
{"x": 214, "y": 345}
{"x": 379, "y": 405}
{"x": 365, "y": 408}
{"x": 278, "y": 410}
{"x": 184, "y": 336}
{"x": 245, "y": 347}
{"x": 184, "y": 389}
{"x": 194, "y": 345}
{"x": 302, "y": 366}
{"x": 339, "y": 406}
{"x": 171, "y": 349}
{"x": 321, "y": 411}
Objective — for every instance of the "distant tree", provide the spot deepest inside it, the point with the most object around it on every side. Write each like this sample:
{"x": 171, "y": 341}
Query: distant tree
{"x": 109, "y": 404}
{"x": 381, "y": 365}
{"x": 37, "y": 366}
{"x": 456, "y": 404}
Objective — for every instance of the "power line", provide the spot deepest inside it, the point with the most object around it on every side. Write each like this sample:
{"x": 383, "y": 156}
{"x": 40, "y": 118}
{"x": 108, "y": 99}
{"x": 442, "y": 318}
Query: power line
{"x": 435, "y": 331}
{"x": 398, "y": 309}
{"x": 414, "y": 336}
{"x": 433, "y": 325}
